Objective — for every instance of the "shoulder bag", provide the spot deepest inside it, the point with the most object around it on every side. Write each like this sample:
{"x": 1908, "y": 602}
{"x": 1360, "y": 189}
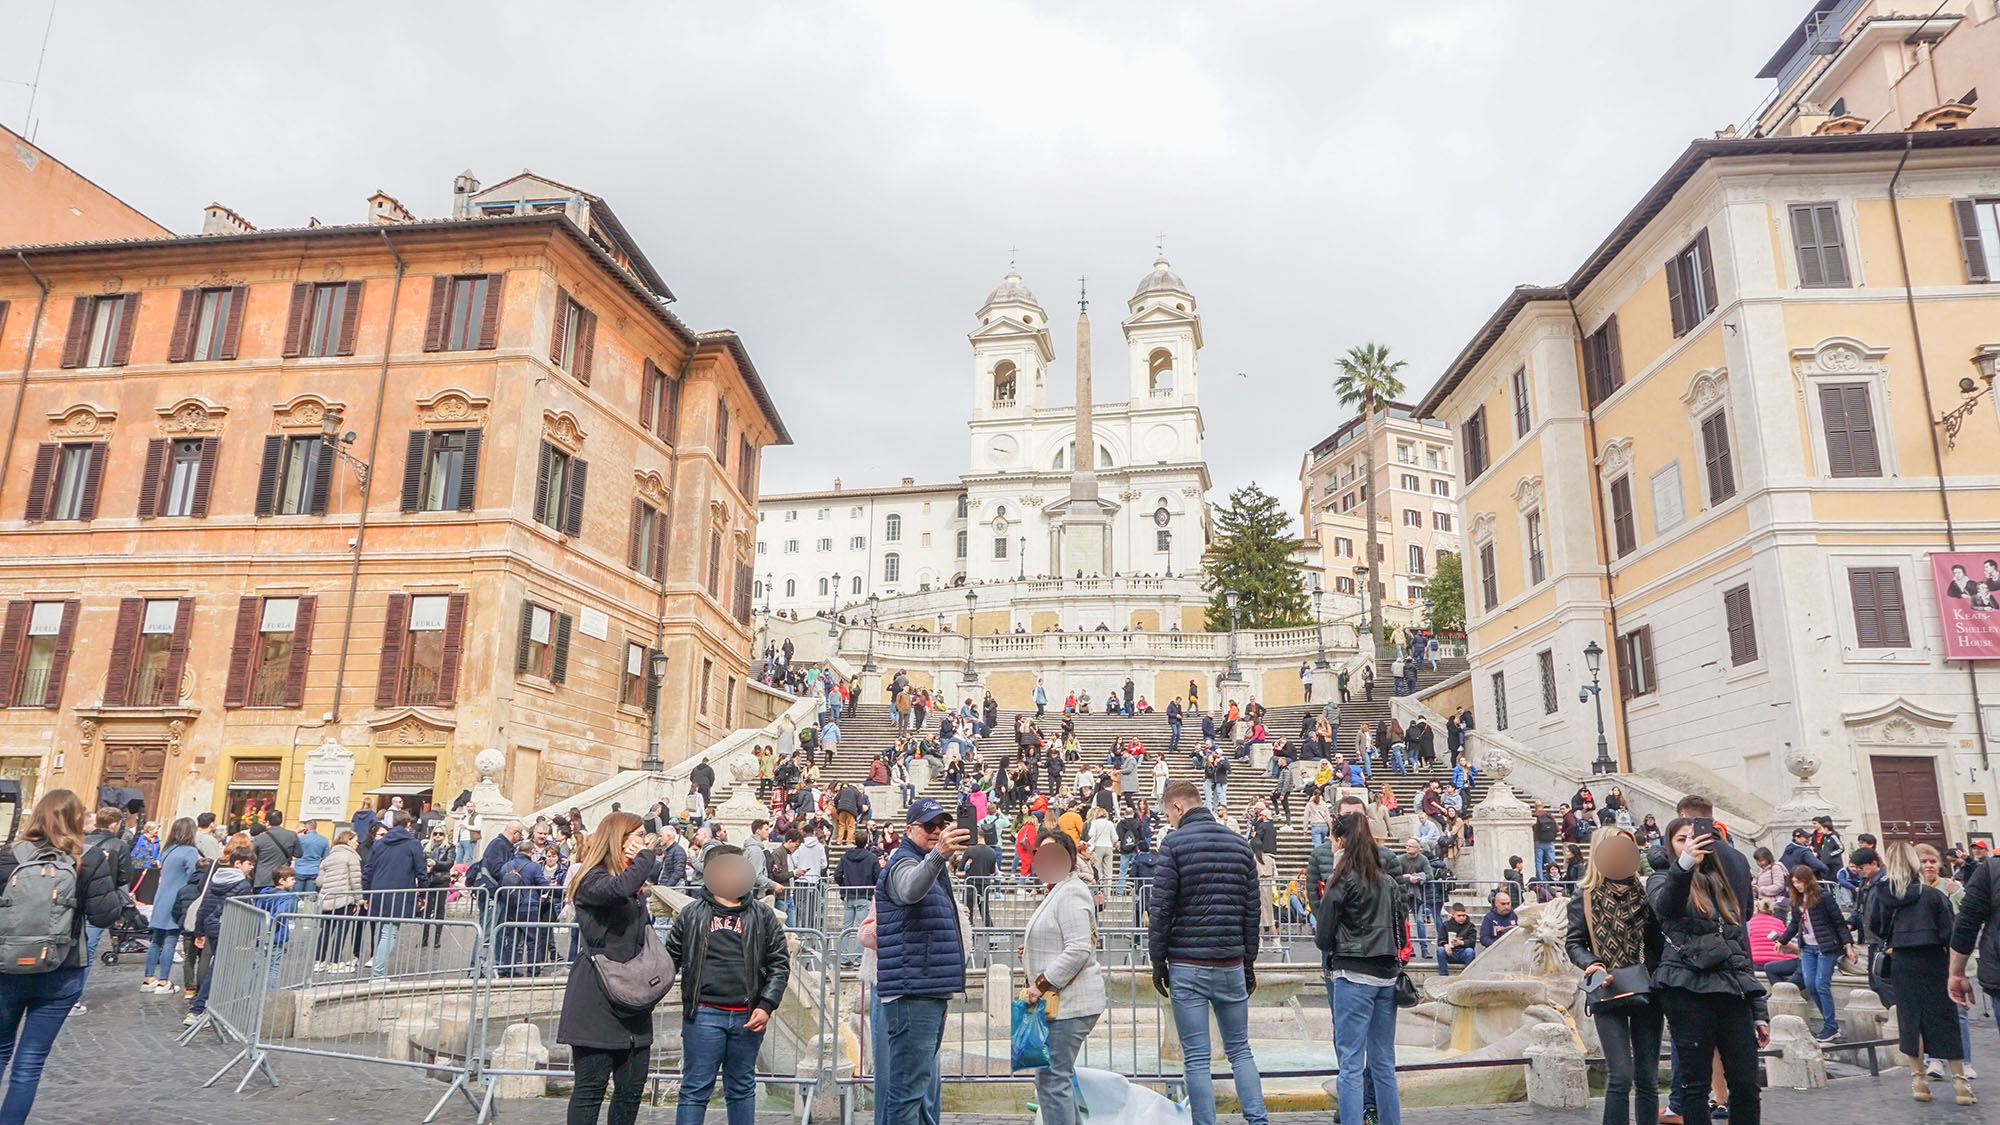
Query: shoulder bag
{"x": 636, "y": 986}
{"x": 1628, "y": 987}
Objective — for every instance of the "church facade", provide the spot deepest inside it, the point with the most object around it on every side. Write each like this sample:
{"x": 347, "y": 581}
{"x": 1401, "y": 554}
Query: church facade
{"x": 1031, "y": 504}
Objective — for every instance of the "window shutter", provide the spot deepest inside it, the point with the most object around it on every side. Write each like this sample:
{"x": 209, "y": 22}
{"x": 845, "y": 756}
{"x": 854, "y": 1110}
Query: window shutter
{"x": 1593, "y": 370}
{"x": 232, "y": 323}
{"x": 489, "y": 323}
{"x": 181, "y": 344}
{"x": 434, "y": 320}
{"x": 295, "y": 671}
{"x": 454, "y": 648}
{"x": 249, "y": 614}
{"x": 669, "y": 425}
{"x": 648, "y": 380}
{"x": 1742, "y": 627}
{"x": 350, "y": 317}
{"x": 1614, "y": 356}
{"x": 267, "y": 474}
{"x": 1889, "y": 605}
{"x": 632, "y": 539}
{"x": 660, "y": 546}
{"x": 128, "y": 322}
{"x": 205, "y": 480}
{"x": 1839, "y": 443}
{"x": 1721, "y": 476}
{"x": 1628, "y": 665}
{"x": 93, "y": 481}
{"x": 1867, "y": 611}
{"x": 124, "y": 648}
{"x": 1805, "y": 235}
{"x": 468, "y": 473}
{"x": 579, "y": 471}
{"x": 295, "y": 320}
{"x": 1707, "y": 273}
{"x": 42, "y": 480}
{"x": 395, "y": 628}
{"x": 151, "y": 480}
{"x": 1969, "y": 244}
{"x": 542, "y": 480}
{"x": 1645, "y": 646}
{"x": 1676, "y": 300}
{"x": 524, "y": 636}
{"x": 59, "y": 659}
{"x": 79, "y": 329}
{"x": 1832, "y": 254}
{"x": 413, "y": 470}
{"x": 177, "y": 650}
{"x": 586, "y": 346}
{"x": 1861, "y": 430}
{"x": 323, "y": 476}
{"x": 559, "y": 662}
{"x": 11, "y": 635}
{"x": 559, "y": 334}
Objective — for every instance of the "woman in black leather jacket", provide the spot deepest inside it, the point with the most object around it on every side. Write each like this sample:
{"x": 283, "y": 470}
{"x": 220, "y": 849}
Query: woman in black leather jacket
{"x": 1612, "y": 927}
{"x": 1706, "y": 982}
{"x": 1360, "y": 934}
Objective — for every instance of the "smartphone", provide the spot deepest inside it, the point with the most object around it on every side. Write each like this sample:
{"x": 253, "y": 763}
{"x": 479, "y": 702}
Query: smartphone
{"x": 1705, "y": 826}
{"x": 1596, "y": 980}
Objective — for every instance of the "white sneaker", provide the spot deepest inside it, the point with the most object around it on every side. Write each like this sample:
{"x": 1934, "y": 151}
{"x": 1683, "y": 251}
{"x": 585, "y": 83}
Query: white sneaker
{"x": 147, "y": 984}
{"x": 78, "y": 1010}
{"x": 1935, "y": 1068}
{"x": 1969, "y": 1074}
{"x": 164, "y": 988}
{"x": 319, "y": 966}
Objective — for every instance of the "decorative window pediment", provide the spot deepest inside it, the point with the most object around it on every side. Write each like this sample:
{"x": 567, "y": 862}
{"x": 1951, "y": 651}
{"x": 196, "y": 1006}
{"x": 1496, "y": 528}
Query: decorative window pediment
{"x": 452, "y": 407}
{"x": 560, "y": 428}
{"x": 191, "y": 415}
{"x": 304, "y": 412}
{"x": 1528, "y": 493}
{"x": 1616, "y": 459}
{"x": 1706, "y": 390}
{"x": 84, "y": 420}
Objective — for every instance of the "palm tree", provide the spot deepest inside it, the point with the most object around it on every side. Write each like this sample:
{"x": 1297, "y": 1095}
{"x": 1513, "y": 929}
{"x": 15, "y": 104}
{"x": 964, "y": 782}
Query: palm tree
{"x": 1368, "y": 382}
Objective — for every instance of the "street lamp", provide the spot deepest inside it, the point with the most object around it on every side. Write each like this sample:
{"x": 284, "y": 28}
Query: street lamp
{"x": 1593, "y": 658}
{"x": 658, "y": 664}
{"x": 1167, "y": 545}
{"x": 1319, "y": 624}
{"x": 1361, "y": 573}
{"x": 833, "y": 612}
{"x": 336, "y": 443}
{"x": 767, "y": 593}
{"x": 874, "y": 608}
{"x": 971, "y": 604}
{"x": 1024, "y": 557}
{"x": 1229, "y": 598}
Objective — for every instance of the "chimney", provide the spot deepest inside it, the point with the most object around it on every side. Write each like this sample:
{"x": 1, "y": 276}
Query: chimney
{"x": 386, "y": 208}
{"x": 462, "y": 190}
{"x": 836, "y": 484}
{"x": 909, "y": 482}
{"x": 1808, "y": 119}
{"x": 218, "y": 219}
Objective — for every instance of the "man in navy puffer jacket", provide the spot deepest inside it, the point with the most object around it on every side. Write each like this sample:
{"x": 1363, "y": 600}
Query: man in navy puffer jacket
{"x": 1203, "y": 943}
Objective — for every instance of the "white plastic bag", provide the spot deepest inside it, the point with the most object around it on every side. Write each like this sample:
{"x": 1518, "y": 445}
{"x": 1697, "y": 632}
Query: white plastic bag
{"x": 1107, "y": 1098}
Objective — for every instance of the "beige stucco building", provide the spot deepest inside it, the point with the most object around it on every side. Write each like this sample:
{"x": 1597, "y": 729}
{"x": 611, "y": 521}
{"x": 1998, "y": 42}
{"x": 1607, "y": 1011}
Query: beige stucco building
{"x": 1416, "y": 510}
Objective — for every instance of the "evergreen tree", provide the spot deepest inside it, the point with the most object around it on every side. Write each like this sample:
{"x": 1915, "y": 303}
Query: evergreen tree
{"x": 1446, "y": 592}
{"x": 1252, "y": 555}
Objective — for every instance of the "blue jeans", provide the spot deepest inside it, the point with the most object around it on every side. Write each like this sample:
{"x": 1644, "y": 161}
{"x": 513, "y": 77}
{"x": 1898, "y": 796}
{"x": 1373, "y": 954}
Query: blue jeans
{"x": 307, "y": 884}
{"x": 1195, "y": 989}
{"x": 1318, "y": 834}
{"x": 1173, "y": 735}
{"x": 466, "y": 855}
{"x": 1055, "y": 1097}
{"x": 1449, "y": 957}
{"x": 385, "y": 944}
{"x": 1364, "y": 1039}
{"x": 1545, "y": 854}
{"x": 908, "y": 1084}
{"x": 32, "y": 1011}
{"x": 1396, "y": 760}
{"x": 160, "y": 954}
{"x": 91, "y": 936}
{"x": 1817, "y": 968}
{"x": 1218, "y": 793}
{"x": 715, "y": 1040}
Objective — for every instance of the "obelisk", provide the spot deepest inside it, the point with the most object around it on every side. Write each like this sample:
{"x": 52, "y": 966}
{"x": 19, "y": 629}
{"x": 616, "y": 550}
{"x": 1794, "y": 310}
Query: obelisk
{"x": 1084, "y": 521}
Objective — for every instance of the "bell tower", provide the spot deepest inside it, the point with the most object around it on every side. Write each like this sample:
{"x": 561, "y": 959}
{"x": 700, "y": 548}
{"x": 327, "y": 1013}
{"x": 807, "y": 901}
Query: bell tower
{"x": 1162, "y": 336}
{"x": 1011, "y": 352}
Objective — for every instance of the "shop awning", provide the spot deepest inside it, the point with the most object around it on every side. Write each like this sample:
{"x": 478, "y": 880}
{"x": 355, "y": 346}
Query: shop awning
{"x": 254, "y": 786}
{"x": 399, "y": 790}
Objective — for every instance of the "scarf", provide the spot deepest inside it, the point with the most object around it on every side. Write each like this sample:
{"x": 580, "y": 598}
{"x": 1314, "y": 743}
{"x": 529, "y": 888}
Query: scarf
{"x": 1618, "y": 922}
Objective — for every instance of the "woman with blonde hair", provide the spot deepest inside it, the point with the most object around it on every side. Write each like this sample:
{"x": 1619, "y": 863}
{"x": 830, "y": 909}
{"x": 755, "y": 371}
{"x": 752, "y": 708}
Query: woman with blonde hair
{"x": 610, "y": 1044}
{"x": 1612, "y": 930}
{"x": 33, "y": 1005}
{"x": 340, "y": 898}
{"x": 1914, "y": 922}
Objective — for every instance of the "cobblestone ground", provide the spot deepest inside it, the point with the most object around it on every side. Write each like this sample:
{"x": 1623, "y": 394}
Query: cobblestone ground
{"x": 119, "y": 1062}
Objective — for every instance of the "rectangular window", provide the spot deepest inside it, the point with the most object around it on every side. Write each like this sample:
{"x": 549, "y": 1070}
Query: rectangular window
{"x": 1850, "y": 430}
{"x": 729, "y": 702}
{"x": 646, "y": 550}
{"x": 961, "y": 544}
{"x": 184, "y": 460}
{"x": 1441, "y": 521}
{"x": 1537, "y": 562}
{"x": 1343, "y": 547}
{"x": 854, "y": 513}
{"x": 1545, "y": 661}
{"x": 1412, "y": 518}
{"x": 333, "y": 311}
{"x": 1416, "y": 558}
{"x": 824, "y": 545}
{"x": 464, "y": 313}
{"x": 559, "y": 490}
{"x": 892, "y": 567}
{"x": 1000, "y": 546}
{"x": 1624, "y": 525}
{"x": 632, "y": 685}
{"x": 791, "y": 546}
{"x": 157, "y": 630}
{"x": 763, "y": 548}
{"x": 1440, "y": 488}
{"x": 1411, "y": 483}
{"x": 1816, "y": 234}
{"x": 1978, "y": 237}
{"x": 574, "y": 337}
{"x": 422, "y": 642}
{"x": 1879, "y": 618}
{"x": 707, "y": 676}
{"x": 1691, "y": 284}
{"x": 1344, "y": 585}
{"x": 1520, "y": 403}
{"x": 538, "y": 626}
{"x": 722, "y": 432}
{"x": 67, "y": 481}
{"x": 1489, "y": 579}
{"x": 426, "y": 649}
{"x": 1163, "y": 539}
{"x": 1635, "y": 662}
{"x": 271, "y": 663}
{"x": 860, "y": 542}
{"x": 1716, "y": 457}
{"x": 1472, "y": 437}
{"x": 1499, "y": 701}
{"x": 1742, "y": 626}
{"x": 1603, "y": 362}
{"x": 1381, "y": 552}
{"x": 892, "y": 529}
{"x": 659, "y": 402}
{"x": 715, "y": 565}
{"x": 209, "y": 323}
{"x": 43, "y": 651}
{"x": 100, "y": 330}
{"x": 791, "y": 517}
{"x": 298, "y": 472}
{"x": 441, "y": 470}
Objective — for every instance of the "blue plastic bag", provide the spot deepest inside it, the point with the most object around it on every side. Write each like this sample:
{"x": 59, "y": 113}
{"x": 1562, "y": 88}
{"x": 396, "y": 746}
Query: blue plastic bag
{"x": 1031, "y": 1036}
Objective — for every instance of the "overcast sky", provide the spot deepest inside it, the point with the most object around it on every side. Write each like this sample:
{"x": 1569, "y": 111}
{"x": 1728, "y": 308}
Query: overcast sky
{"x": 842, "y": 182}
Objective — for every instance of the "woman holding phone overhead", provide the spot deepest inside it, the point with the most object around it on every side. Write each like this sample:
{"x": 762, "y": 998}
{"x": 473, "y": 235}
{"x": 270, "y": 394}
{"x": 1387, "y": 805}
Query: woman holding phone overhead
{"x": 1615, "y": 938}
{"x": 1706, "y": 982}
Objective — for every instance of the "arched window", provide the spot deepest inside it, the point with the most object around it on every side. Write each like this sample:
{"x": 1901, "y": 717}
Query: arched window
{"x": 1003, "y": 383}
{"x": 822, "y": 587}
{"x": 757, "y": 588}
{"x": 892, "y": 567}
{"x": 892, "y": 528}
{"x": 857, "y": 583}
{"x": 1068, "y": 453}
{"x": 964, "y": 503}
{"x": 1160, "y": 371}
{"x": 791, "y": 587}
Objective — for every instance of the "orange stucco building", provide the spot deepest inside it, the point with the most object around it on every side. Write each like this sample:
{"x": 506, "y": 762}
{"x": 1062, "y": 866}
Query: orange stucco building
{"x": 416, "y": 487}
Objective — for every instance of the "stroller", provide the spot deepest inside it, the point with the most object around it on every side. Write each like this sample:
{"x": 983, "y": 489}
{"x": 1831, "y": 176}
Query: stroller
{"x": 133, "y": 930}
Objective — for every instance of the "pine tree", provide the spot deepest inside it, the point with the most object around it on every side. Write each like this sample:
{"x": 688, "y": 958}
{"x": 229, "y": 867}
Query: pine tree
{"x": 1446, "y": 593}
{"x": 1252, "y": 555}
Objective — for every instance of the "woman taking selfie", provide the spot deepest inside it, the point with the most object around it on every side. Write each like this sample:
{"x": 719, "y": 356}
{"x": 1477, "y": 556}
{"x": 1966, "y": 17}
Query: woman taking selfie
{"x": 1914, "y": 922}
{"x": 611, "y": 1044}
{"x": 1360, "y": 937}
{"x": 1059, "y": 958}
{"x": 1616, "y": 941}
{"x": 1706, "y": 982}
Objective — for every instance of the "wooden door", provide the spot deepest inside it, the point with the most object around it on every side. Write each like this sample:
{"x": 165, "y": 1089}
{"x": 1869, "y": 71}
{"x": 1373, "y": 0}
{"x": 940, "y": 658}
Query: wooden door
{"x": 1906, "y": 796}
{"x": 136, "y": 766}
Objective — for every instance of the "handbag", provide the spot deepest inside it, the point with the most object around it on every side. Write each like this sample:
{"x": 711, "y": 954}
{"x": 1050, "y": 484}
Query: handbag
{"x": 1628, "y": 986}
{"x": 637, "y": 985}
{"x": 1406, "y": 991}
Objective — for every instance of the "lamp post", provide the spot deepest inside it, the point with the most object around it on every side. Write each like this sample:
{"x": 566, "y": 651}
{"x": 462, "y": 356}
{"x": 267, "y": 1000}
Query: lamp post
{"x": 767, "y": 593}
{"x": 971, "y": 604}
{"x": 1361, "y": 575}
{"x": 336, "y": 443}
{"x": 1230, "y": 598}
{"x": 1319, "y": 624}
{"x": 1593, "y": 657}
{"x": 874, "y": 609}
{"x": 1167, "y": 538}
{"x": 1024, "y": 558}
{"x": 833, "y": 611}
{"x": 652, "y": 763}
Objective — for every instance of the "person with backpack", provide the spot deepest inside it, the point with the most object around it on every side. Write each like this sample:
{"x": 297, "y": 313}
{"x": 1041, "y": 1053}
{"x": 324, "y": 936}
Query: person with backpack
{"x": 50, "y": 887}
{"x": 231, "y": 880}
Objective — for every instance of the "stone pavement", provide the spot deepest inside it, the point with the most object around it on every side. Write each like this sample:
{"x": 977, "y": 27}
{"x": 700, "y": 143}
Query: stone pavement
{"x": 119, "y": 1062}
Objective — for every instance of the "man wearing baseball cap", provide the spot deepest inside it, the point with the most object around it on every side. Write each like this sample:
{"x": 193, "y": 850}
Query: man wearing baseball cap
{"x": 920, "y": 962}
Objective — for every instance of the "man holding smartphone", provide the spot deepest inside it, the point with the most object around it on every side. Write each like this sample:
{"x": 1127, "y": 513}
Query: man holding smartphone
{"x": 920, "y": 960}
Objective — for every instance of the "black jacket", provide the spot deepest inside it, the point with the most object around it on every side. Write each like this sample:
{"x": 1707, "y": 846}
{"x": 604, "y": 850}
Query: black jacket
{"x": 1828, "y": 926}
{"x": 1978, "y": 923}
{"x": 1204, "y": 895}
{"x": 1319, "y": 869}
{"x": 1919, "y": 916}
{"x": 99, "y": 897}
{"x": 859, "y": 870}
{"x": 117, "y": 852}
{"x": 1577, "y": 942}
{"x": 1360, "y": 925}
{"x": 1691, "y": 936}
{"x": 767, "y": 961}
{"x": 611, "y": 919}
